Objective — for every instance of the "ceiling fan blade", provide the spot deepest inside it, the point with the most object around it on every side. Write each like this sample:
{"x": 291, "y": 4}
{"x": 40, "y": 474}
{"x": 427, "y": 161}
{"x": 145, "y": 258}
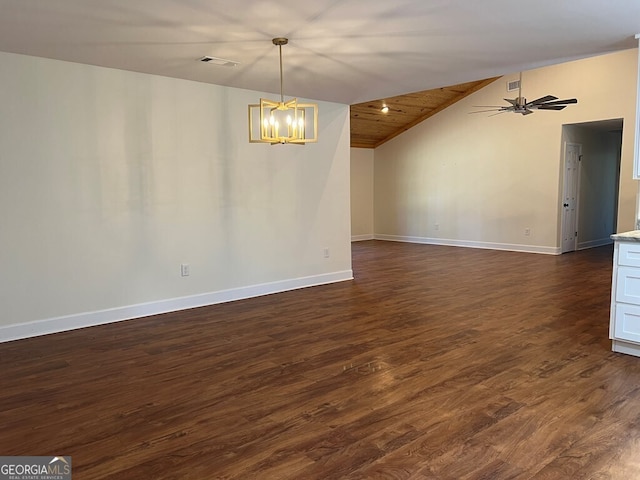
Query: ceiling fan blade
{"x": 550, "y": 107}
{"x": 501, "y": 112}
{"x": 561, "y": 102}
{"x": 484, "y": 111}
{"x": 540, "y": 100}
{"x": 513, "y": 101}
{"x": 499, "y": 109}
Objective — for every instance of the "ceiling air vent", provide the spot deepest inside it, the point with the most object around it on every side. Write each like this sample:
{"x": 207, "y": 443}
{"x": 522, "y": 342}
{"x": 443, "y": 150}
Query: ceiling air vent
{"x": 513, "y": 85}
{"x": 219, "y": 61}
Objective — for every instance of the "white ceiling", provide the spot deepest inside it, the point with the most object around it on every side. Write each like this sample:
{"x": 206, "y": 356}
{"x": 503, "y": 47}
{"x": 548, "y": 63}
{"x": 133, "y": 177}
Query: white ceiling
{"x": 347, "y": 51}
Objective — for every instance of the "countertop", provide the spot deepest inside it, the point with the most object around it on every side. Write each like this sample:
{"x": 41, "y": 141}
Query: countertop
{"x": 632, "y": 236}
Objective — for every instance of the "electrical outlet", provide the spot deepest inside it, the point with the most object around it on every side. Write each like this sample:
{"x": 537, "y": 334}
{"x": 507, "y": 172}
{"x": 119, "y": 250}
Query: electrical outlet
{"x": 185, "y": 270}
{"x": 326, "y": 252}
{"x": 437, "y": 226}
{"x": 527, "y": 232}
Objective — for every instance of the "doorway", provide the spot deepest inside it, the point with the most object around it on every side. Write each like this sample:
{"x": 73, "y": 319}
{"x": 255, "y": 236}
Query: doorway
{"x": 590, "y": 183}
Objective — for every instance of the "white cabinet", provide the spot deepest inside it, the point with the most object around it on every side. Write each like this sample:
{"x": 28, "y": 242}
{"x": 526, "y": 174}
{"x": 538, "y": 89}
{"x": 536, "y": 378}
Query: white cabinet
{"x": 624, "y": 329}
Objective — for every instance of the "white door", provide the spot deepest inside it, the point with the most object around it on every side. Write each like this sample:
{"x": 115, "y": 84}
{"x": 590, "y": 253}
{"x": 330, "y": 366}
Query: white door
{"x": 572, "y": 153}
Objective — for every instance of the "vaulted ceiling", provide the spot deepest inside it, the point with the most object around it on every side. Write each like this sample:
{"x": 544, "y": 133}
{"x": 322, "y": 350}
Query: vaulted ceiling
{"x": 371, "y": 126}
{"x": 354, "y": 52}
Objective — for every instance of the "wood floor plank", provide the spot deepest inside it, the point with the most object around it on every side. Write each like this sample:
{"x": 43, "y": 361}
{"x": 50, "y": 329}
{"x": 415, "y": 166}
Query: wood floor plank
{"x": 433, "y": 363}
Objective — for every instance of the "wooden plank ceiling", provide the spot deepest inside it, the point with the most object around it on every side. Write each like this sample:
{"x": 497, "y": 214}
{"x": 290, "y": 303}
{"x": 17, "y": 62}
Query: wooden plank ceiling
{"x": 370, "y": 127}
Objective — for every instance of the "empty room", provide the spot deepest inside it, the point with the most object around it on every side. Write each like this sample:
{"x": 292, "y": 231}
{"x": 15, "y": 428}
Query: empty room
{"x": 319, "y": 240}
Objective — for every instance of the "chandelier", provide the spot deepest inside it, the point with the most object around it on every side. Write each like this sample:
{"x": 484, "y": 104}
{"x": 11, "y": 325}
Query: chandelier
{"x": 283, "y": 122}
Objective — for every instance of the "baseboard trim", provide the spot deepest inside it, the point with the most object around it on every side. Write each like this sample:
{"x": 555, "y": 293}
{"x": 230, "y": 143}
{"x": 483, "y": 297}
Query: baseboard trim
{"x": 470, "y": 244}
{"x": 595, "y": 243}
{"x": 90, "y": 319}
{"x": 361, "y": 238}
{"x": 621, "y": 346}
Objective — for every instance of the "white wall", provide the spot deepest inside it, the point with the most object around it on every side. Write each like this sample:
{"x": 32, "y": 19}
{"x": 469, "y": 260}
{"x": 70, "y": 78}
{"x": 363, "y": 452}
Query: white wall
{"x": 361, "y": 194}
{"x": 109, "y": 180}
{"x": 471, "y": 179}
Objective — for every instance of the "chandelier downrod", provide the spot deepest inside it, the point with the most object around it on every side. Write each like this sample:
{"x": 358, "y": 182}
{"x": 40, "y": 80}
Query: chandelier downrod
{"x": 279, "y": 42}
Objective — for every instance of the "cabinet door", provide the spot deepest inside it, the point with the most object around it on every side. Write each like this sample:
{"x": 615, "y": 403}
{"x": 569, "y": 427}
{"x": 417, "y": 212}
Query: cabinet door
{"x": 628, "y": 285}
{"x": 627, "y": 323}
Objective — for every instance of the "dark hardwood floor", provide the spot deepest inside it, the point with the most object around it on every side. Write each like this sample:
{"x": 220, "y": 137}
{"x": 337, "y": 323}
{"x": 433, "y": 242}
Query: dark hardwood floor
{"x": 434, "y": 363}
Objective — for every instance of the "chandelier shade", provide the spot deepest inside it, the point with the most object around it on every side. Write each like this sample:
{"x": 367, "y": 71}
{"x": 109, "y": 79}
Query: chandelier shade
{"x": 273, "y": 121}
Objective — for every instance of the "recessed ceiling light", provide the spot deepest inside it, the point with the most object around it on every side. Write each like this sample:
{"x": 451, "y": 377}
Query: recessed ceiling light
{"x": 219, "y": 61}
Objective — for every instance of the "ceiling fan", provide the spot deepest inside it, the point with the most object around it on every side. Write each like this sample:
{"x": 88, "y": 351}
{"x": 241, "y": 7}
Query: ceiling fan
{"x": 520, "y": 104}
